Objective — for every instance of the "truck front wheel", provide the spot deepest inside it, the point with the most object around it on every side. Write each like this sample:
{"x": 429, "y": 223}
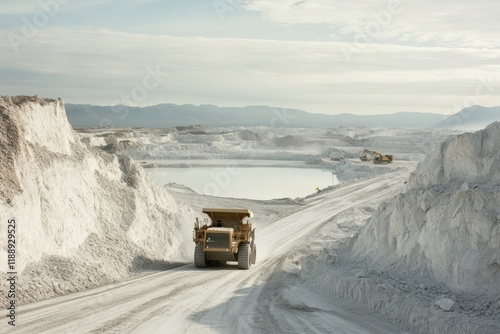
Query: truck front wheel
{"x": 244, "y": 256}
{"x": 200, "y": 259}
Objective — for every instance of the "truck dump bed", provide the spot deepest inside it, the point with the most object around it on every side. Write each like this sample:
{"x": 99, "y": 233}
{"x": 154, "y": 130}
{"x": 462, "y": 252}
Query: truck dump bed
{"x": 227, "y": 217}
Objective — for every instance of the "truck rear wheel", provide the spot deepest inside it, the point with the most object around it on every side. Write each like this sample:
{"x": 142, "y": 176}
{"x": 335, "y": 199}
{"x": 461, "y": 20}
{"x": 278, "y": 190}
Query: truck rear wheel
{"x": 244, "y": 256}
{"x": 254, "y": 253}
{"x": 200, "y": 259}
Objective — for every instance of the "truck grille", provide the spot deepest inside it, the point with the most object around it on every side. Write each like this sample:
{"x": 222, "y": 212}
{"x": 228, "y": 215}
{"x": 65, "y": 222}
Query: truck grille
{"x": 217, "y": 240}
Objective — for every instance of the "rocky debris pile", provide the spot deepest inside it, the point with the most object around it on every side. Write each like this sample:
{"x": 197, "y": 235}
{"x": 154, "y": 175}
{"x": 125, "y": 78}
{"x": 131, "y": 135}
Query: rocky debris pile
{"x": 85, "y": 217}
{"x": 446, "y": 224}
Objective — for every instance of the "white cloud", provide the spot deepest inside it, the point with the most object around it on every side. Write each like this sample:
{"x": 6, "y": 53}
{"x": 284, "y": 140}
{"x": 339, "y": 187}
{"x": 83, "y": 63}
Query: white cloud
{"x": 19, "y": 7}
{"x": 135, "y": 3}
{"x": 457, "y": 23}
{"x": 98, "y": 66}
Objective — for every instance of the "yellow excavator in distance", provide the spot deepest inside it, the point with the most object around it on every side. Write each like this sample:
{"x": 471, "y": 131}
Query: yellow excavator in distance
{"x": 376, "y": 157}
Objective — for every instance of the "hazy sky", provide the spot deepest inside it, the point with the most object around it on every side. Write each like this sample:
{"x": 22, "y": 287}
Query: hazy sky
{"x": 328, "y": 56}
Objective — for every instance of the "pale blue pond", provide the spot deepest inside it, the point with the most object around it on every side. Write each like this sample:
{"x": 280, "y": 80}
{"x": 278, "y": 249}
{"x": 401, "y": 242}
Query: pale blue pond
{"x": 247, "y": 182}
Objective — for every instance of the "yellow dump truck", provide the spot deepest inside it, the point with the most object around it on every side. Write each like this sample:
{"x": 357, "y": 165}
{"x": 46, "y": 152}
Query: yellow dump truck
{"x": 227, "y": 235}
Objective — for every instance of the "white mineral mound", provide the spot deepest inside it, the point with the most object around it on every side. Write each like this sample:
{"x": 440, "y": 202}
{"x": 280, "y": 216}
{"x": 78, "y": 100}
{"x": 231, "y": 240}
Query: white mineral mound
{"x": 446, "y": 224}
{"x": 83, "y": 217}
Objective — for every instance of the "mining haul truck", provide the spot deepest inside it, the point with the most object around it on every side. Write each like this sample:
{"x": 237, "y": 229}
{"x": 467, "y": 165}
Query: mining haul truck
{"x": 228, "y": 235}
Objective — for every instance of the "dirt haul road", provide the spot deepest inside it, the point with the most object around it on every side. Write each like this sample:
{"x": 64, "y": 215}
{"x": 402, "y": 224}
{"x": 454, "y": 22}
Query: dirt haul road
{"x": 222, "y": 299}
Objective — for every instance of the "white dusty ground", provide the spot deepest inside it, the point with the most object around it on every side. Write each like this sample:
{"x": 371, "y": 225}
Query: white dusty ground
{"x": 261, "y": 143}
{"x": 433, "y": 246}
{"x": 224, "y": 299}
{"x": 337, "y": 261}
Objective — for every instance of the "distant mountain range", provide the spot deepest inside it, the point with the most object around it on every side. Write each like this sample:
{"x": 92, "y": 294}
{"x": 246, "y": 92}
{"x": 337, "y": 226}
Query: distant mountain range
{"x": 472, "y": 118}
{"x": 170, "y": 115}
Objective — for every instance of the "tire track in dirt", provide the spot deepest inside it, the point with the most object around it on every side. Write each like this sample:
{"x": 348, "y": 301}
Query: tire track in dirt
{"x": 216, "y": 299}
{"x": 142, "y": 313}
{"x": 93, "y": 307}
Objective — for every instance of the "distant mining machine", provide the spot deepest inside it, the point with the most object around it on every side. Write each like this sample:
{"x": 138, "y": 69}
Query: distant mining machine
{"x": 376, "y": 157}
{"x": 380, "y": 159}
{"x": 366, "y": 155}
